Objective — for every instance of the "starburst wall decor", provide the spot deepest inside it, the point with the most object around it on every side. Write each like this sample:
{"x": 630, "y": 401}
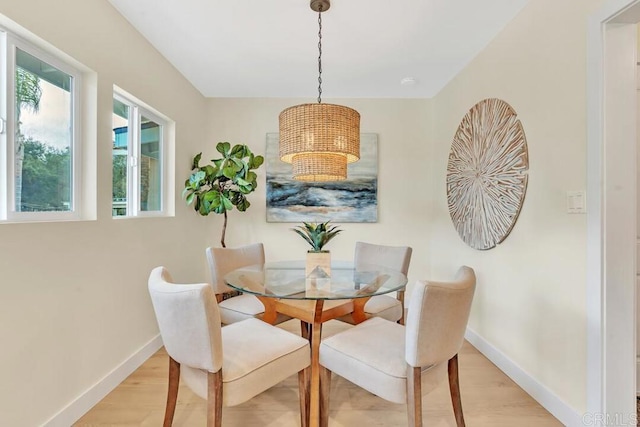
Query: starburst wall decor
{"x": 487, "y": 174}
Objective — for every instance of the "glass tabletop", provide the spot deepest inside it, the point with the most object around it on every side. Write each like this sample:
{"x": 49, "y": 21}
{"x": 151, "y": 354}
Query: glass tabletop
{"x": 287, "y": 280}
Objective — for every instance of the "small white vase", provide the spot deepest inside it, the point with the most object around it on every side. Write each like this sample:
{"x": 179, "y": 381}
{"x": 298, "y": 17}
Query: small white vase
{"x": 319, "y": 264}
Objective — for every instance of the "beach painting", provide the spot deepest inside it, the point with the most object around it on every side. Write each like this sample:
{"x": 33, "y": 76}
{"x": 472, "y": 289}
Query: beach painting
{"x": 352, "y": 200}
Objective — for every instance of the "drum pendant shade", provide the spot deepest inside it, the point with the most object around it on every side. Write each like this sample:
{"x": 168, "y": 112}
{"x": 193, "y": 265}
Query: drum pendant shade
{"x": 319, "y": 140}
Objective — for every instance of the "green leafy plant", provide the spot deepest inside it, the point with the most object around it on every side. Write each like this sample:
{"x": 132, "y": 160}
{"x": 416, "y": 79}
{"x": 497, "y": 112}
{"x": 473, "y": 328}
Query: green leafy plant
{"x": 223, "y": 184}
{"x": 317, "y": 234}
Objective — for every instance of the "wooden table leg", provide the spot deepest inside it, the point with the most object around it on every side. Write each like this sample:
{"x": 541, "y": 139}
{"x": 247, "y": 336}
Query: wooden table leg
{"x": 358, "y": 315}
{"x": 311, "y": 328}
{"x": 325, "y": 394}
{"x": 303, "y": 387}
{"x": 316, "y": 334}
{"x": 270, "y": 314}
{"x": 305, "y": 329}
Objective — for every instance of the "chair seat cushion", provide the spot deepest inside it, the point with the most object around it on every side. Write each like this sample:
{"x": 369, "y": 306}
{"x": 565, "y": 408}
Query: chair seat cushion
{"x": 257, "y": 356}
{"x": 384, "y": 306}
{"x": 372, "y": 356}
{"x": 238, "y": 308}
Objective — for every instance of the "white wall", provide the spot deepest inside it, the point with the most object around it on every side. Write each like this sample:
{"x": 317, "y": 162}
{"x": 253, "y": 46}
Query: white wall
{"x": 530, "y": 299}
{"x": 74, "y": 302}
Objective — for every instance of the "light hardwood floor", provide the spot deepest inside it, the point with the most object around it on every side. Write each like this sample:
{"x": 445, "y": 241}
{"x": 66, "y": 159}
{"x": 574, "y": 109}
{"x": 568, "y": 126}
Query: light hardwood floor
{"x": 489, "y": 398}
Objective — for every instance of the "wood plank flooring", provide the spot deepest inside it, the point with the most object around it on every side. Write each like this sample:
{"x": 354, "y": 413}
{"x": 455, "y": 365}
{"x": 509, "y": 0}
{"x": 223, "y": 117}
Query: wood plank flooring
{"x": 489, "y": 399}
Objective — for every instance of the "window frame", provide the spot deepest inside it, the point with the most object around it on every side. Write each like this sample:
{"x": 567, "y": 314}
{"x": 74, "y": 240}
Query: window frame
{"x": 9, "y": 43}
{"x": 138, "y": 109}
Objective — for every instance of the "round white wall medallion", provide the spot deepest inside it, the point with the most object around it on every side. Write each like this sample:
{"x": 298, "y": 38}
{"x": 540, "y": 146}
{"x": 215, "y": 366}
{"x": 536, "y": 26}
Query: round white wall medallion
{"x": 487, "y": 174}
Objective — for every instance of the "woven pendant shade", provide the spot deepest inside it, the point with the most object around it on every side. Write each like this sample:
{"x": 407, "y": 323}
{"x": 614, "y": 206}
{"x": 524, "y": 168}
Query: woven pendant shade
{"x": 319, "y": 167}
{"x": 319, "y": 140}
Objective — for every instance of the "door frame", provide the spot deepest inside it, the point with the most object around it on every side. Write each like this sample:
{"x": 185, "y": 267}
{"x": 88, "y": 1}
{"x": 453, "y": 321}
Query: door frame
{"x": 611, "y": 213}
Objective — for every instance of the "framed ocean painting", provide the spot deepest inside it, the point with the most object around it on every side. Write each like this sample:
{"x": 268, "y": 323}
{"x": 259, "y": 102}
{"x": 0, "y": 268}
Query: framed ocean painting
{"x": 352, "y": 200}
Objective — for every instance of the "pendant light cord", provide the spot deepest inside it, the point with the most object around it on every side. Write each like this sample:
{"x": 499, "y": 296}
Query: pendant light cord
{"x": 320, "y": 55}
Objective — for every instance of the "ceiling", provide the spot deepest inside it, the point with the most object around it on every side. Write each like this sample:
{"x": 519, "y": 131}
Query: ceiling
{"x": 269, "y": 48}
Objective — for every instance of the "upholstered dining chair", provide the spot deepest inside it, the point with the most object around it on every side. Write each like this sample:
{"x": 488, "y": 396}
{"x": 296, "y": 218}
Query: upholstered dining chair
{"x": 223, "y": 260}
{"x": 402, "y": 363}
{"x": 395, "y": 257}
{"x": 221, "y": 364}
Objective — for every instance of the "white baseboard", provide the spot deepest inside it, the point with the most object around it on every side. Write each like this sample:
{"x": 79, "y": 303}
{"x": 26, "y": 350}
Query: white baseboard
{"x": 552, "y": 403}
{"x": 545, "y": 397}
{"x": 87, "y": 400}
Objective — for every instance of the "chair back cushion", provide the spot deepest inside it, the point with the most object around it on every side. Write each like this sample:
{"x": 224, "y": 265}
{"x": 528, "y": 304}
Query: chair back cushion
{"x": 393, "y": 257}
{"x": 188, "y": 319}
{"x": 437, "y": 318}
{"x": 223, "y": 260}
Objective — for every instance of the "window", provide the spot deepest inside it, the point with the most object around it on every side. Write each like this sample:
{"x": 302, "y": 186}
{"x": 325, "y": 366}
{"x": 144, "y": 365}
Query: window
{"x": 39, "y": 126}
{"x": 139, "y": 141}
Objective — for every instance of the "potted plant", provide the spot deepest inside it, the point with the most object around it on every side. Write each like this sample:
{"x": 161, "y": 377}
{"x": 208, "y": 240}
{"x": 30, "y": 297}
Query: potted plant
{"x": 317, "y": 235}
{"x": 223, "y": 184}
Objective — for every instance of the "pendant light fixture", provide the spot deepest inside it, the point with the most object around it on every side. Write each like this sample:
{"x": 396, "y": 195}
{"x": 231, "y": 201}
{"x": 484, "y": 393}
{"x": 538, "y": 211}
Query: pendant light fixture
{"x": 319, "y": 140}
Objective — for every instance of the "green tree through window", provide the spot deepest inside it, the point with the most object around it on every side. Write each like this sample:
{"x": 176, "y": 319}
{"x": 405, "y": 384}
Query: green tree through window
{"x": 43, "y": 134}
{"x": 28, "y": 95}
{"x": 45, "y": 177}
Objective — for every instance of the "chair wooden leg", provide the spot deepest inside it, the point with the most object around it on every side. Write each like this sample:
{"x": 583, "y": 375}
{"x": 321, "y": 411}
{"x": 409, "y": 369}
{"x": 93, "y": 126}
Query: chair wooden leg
{"x": 454, "y": 388}
{"x": 304, "y": 329}
{"x": 400, "y": 297}
{"x": 325, "y": 393}
{"x": 414, "y": 396}
{"x": 172, "y": 393}
{"x": 303, "y": 391}
{"x": 214, "y": 399}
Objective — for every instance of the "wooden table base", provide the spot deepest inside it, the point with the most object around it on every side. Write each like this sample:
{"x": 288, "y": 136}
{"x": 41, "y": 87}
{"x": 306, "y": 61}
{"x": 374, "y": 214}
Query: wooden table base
{"x": 313, "y": 313}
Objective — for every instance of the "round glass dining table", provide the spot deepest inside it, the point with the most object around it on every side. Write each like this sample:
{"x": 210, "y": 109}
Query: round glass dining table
{"x": 288, "y": 280}
{"x": 285, "y": 287}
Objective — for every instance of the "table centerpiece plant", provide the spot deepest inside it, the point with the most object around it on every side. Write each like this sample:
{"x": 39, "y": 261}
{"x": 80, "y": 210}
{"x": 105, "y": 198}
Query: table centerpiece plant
{"x": 317, "y": 235}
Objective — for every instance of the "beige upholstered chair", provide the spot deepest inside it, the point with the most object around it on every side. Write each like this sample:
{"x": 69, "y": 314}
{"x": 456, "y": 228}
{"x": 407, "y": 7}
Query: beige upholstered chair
{"x": 222, "y": 261}
{"x": 218, "y": 363}
{"x": 395, "y": 257}
{"x": 399, "y": 363}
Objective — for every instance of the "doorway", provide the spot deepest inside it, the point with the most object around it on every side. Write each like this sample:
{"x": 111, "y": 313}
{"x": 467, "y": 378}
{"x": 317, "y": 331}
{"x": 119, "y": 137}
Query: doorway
{"x": 611, "y": 219}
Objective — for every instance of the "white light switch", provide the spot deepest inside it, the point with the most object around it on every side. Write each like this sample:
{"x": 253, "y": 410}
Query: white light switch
{"x": 576, "y": 202}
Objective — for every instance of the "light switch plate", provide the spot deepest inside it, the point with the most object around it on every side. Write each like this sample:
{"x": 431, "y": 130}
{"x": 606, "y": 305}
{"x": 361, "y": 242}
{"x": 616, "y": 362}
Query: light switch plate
{"x": 576, "y": 202}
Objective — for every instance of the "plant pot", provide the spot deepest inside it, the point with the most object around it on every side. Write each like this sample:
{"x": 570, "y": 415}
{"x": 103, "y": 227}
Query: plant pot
{"x": 318, "y": 264}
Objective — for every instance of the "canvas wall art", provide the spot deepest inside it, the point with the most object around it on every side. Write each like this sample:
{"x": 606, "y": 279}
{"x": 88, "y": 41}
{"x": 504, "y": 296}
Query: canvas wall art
{"x": 352, "y": 200}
